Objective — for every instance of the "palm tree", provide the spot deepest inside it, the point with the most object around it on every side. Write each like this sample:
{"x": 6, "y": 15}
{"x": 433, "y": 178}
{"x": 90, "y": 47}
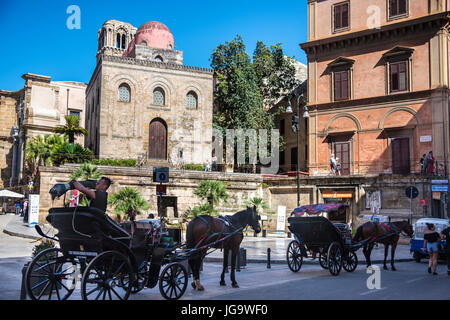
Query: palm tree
{"x": 87, "y": 171}
{"x": 38, "y": 150}
{"x": 72, "y": 128}
{"x": 212, "y": 191}
{"x": 70, "y": 153}
{"x": 259, "y": 203}
{"x": 128, "y": 201}
{"x": 204, "y": 209}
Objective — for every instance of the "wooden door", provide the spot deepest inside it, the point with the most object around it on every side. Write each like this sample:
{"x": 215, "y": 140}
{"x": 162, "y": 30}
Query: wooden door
{"x": 342, "y": 151}
{"x": 400, "y": 156}
{"x": 158, "y": 140}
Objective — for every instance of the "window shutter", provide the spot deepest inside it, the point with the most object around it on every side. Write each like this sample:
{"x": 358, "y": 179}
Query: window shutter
{"x": 337, "y": 17}
{"x": 337, "y": 86}
{"x": 344, "y": 15}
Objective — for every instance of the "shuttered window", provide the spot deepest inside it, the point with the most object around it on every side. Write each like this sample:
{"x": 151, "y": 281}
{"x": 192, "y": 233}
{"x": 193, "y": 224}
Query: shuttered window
{"x": 341, "y": 85}
{"x": 398, "y": 7}
{"x": 341, "y": 16}
{"x": 398, "y": 73}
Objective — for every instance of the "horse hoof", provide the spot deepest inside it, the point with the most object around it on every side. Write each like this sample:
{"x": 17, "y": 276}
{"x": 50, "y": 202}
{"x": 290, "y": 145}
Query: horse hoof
{"x": 393, "y": 269}
{"x": 385, "y": 268}
{"x": 193, "y": 286}
{"x": 235, "y": 285}
{"x": 222, "y": 283}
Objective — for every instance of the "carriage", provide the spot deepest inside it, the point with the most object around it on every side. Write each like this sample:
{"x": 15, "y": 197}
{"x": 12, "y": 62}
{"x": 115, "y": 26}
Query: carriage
{"x": 315, "y": 235}
{"x": 113, "y": 261}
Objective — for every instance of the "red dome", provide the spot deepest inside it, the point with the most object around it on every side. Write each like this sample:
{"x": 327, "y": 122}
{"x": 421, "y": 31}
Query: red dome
{"x": 156, "y": 35}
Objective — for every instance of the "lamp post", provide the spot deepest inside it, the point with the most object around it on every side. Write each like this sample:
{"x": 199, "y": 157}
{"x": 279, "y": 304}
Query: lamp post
{"x": 296, "y": 129}
{"x": 15, "y": 136}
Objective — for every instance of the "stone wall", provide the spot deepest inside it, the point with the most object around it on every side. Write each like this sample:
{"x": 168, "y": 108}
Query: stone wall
{"x": 7, "y": 121}
{"x": 241, "y": 187}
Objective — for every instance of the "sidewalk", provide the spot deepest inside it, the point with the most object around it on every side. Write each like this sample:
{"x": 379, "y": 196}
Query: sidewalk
{"x": 256, "y": 247}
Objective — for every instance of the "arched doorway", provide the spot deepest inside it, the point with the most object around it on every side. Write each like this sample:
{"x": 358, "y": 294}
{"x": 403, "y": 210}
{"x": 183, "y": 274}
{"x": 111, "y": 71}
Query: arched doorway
{"x": 158, "y": 140}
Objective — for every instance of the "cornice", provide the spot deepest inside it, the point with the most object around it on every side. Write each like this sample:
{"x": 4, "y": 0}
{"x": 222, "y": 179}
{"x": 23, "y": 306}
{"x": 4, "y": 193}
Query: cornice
{"x": 353, "y": 38}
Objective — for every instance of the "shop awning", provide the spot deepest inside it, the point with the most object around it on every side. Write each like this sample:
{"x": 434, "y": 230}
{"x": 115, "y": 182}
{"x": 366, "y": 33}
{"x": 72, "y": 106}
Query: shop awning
{"x": 10, "y": 194}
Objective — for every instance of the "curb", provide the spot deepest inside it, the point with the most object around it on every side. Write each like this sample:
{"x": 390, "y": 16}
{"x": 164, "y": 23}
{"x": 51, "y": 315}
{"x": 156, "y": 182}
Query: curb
{"x": 21, "y": 235}
{"x": 304, "y": 262}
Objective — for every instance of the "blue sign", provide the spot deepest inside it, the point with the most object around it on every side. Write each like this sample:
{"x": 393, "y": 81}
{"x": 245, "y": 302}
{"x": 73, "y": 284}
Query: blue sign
{"x": 439, "y": 188}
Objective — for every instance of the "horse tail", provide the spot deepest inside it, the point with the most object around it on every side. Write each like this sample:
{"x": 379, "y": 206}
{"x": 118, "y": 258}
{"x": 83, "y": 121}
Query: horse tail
{"x": 358, "y": 236}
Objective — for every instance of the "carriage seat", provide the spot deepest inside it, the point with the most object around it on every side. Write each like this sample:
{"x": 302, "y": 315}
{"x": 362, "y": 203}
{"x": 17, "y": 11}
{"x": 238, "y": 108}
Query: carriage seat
{"x": 85, "y": 220}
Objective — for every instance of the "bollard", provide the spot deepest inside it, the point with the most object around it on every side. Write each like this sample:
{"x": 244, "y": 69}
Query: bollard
{"x": 23, "y": 293}
{"x": 268, "y": 259}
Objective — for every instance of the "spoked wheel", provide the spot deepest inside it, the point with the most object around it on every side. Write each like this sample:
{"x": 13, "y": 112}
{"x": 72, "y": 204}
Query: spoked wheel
{"x": 51, "y": 276}
{"x": 334, "y": 258}
{"x": 323, "y": 260}
{"x": 173, "y": 281}
{"x": 294, "y": 256}
{"x": 350, "y": 261}
{"x": 104, "y": 277}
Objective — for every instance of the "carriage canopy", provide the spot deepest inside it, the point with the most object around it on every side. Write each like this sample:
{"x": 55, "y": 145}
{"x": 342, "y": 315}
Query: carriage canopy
{"x": 317, "y": 209}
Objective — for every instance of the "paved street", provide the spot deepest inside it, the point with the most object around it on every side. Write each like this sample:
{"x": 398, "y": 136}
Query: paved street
{"x": 411, "y": 281}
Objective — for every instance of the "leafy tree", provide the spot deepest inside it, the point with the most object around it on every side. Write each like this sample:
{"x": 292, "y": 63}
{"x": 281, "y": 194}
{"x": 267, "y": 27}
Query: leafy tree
{"x": 212, "y": 192}
{"x": 38, "y": 150}
{"x": 259, "y": 203}
{"x": 275, "y": 72}
{"x": 86, "y": 171}
{"x": 70, "y": 153}
{"x": 72, "y": 128}
{"x": 204, "y": 209}
{"x": 128, "y": 201}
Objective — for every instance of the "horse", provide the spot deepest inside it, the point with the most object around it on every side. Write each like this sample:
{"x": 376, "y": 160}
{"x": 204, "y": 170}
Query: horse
{"x": 205, "y": 232}
{"x": 385, "y": 233}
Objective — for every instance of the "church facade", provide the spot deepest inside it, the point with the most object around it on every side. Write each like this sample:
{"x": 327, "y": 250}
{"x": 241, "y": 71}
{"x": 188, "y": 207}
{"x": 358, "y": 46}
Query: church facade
{"x": 142, "y": 102}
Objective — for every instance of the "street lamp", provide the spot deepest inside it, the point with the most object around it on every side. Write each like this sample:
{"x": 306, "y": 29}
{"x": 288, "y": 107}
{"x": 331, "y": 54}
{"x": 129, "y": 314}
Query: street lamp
{"x": 296, "y": 129}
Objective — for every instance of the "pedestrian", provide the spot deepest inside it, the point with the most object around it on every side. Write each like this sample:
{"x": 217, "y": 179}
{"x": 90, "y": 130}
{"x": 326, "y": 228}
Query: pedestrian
{"x": 445, "y": 235}
{"x": 338, "y": 167}
{"x": 431, "y": 245}
{"x": 430, "y": 162}
{"x": 25, "y": 206}
{"x": 422, "y": 163}
{"x": 17, "y": 207}
{"x": 207, "y": 167}
{"x": 214, "y": 163}
{"x": 333, "y": 164}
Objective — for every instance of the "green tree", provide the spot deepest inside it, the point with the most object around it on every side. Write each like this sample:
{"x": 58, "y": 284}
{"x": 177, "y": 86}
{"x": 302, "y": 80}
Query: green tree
{"x": 212, "y": 191}
{"x": 238, "y": 98}
{"x": 70, "y": 153}
{"x": 72, "y": 128}
{"x": 128, "y": 201}
{"x": 259, "y": 203}
{"x": 204, "y": 209}
{"x": 38, "y": 150}
{"x": 86, "y": 171}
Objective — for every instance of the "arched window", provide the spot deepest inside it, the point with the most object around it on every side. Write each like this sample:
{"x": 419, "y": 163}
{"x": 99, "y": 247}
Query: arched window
{"x": 124, "y": 93}
{"x": 143, "y": 43}
{"x": 124, "y": 41}
{"x": 159, "y": 59}
{"x": 118, "y": 41}
{"x": 191, "y": 100}
{"x": 159, "y": 97}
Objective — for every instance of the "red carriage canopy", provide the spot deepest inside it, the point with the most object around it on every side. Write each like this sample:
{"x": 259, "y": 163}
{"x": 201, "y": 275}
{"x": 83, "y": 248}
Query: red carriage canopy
{"x": 318, "y": 209}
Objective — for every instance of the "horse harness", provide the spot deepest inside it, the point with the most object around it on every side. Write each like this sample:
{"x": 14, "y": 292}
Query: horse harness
{"x": 226, "y": 222}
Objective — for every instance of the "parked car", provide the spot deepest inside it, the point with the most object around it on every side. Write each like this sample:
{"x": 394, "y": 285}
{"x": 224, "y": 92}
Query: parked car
{"x": 420, "y": 228}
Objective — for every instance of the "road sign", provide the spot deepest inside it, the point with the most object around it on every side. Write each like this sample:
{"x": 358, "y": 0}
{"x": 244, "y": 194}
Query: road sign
{"x": 412, "y": 192}
{"x": 439, "y": 181}
{"x": 439, "y": 188}
{"x": 423, "y": 202}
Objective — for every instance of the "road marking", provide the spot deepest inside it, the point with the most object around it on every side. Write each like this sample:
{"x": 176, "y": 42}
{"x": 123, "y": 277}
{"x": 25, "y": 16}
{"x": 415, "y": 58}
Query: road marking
{"x": 372, "y": 291}
{"x": 414, "y": 280}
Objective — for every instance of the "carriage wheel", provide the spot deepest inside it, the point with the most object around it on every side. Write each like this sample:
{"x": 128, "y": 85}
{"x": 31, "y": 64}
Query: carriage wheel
{"x": 350, "y": 261}
{"x": 294, "y": 256}
{"x": 51, "y": 275}
{"x": 323, "y": 260}
{"x": 334, "y": 258}
{"x": 103, "y": 278}
{"x": 141, "y": 279}
{"x": 173, "y": 281}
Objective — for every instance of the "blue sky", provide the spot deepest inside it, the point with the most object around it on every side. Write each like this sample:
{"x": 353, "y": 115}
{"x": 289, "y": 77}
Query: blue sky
{"x": 35, "y": 37}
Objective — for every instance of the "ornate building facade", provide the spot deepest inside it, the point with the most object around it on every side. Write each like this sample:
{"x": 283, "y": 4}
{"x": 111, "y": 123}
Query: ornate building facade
{"x": 143, "y": 102}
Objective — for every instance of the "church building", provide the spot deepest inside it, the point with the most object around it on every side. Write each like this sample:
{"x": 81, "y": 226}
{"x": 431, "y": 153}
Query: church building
{"x": 143, "y": 102}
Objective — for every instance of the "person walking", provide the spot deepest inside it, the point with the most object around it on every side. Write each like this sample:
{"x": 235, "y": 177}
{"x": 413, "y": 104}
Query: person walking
{"x": 333, "y": 164}
{"x": 445, "y": 235}
{"x": 422, "y": 163}
{"x": 430, "y": 162}
{"x": 431, "y": 245}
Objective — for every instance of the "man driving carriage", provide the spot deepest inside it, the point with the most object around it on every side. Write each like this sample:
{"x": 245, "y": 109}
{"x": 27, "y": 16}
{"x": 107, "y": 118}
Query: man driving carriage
{"x": 99, "y": 197}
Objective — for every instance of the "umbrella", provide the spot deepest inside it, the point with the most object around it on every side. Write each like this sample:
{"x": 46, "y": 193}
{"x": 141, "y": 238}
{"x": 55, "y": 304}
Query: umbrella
{"x": 10, "y": 194}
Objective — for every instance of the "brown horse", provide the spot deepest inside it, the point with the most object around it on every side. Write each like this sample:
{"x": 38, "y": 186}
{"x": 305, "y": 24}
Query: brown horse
{"x": 205, "y": 231}
{"x": 385, "y": 233}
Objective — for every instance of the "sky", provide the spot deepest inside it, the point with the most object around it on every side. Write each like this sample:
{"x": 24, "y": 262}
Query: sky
{"x": 36, "y": 39}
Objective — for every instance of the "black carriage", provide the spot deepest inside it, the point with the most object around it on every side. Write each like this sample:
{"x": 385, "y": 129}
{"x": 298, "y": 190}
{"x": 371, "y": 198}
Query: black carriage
{"x": 317, "y": 237}
{"x": 112, "y": 261}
